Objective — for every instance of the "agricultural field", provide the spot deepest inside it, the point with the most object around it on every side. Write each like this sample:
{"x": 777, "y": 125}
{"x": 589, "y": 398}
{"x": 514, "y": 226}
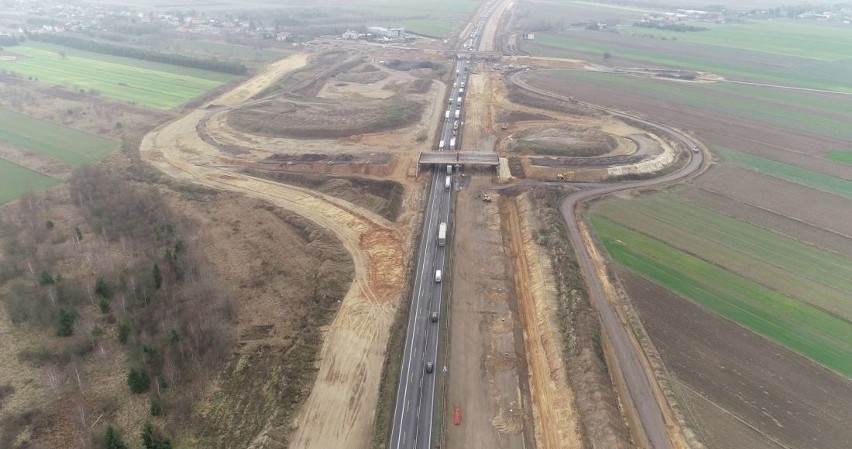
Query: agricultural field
{"x": 64, "y": 144}
{"x": 18, "y": 180}
{"x": 780, "y": 52}
{"x": 803, "y": 272}
{"x": 819, "y": 181}
{"x": 841, "y": 156}
{"x": 803, "y": 328}
{"x": 157, "y": 85}
{"x": 740, "y": 390}
{"x": 741, "y": 276}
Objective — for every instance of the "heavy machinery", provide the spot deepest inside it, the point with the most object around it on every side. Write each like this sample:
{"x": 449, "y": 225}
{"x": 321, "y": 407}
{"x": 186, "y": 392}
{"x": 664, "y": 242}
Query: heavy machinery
{"x": 565, "y": 176}
{"x": 485, "y": 196}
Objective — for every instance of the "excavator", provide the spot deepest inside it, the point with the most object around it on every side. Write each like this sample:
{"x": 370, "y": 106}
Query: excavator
{"x": 565, "y": 176}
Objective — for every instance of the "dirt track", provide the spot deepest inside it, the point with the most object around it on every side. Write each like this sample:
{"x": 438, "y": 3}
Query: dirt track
{"x": 340, "y": 409}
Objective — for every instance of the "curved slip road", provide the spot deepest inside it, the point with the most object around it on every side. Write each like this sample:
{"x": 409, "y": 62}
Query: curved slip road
{"x": 638, "y": 380}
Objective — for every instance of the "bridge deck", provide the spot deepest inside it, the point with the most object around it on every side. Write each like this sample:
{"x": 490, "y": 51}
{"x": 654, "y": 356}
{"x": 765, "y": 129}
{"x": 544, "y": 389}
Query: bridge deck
{"x": 454, "y": 157}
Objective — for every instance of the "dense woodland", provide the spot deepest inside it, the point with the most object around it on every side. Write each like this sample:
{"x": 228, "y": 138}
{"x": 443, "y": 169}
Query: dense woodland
{"x": 235, "y": 68}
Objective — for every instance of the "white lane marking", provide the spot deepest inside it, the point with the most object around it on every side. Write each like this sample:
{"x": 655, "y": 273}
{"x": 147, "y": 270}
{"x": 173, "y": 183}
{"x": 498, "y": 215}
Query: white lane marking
{"x": 427, "y": 228}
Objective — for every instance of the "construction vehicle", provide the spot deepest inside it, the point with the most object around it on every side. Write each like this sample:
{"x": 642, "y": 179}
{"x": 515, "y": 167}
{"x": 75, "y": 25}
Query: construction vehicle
{"x": 565, "y": 176}
{"x": 485, "y": 197}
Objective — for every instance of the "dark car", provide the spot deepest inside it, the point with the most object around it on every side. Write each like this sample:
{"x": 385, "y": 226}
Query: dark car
{"x": 430, "y": 367}
{"x": 434, "y": 316}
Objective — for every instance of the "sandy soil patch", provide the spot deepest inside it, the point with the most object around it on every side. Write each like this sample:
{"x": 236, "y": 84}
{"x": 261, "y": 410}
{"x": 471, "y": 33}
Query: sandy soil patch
{"x": 554, "y": 413}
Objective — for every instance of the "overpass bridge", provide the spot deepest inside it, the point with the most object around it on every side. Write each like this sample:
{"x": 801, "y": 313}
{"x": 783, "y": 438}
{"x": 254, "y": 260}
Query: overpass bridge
{"x": 480, "y": 159}
{"x": 471, "y": 54}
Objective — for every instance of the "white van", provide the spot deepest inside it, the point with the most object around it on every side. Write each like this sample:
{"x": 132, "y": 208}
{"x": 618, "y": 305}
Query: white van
{"x": 447, "y": 183}
{"x": 437, "y": 275}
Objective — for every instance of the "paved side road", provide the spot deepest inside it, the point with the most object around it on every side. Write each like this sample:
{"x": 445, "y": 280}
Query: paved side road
{"x": 637, "y": 379}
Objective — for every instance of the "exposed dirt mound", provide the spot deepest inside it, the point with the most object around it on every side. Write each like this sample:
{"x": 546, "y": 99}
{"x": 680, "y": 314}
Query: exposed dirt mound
{"x": 419, "y": 86}
{"x": 406, "y": 65}
{"x": 564, "y": 140}
{"x": 308, "y": 80}
{"x": 523, "y": 97}
{"x": 281, "y": 118}
{"x": 382, "y": 197}
{"x": 361, "y": 77}
{"x": 521, "y": 116}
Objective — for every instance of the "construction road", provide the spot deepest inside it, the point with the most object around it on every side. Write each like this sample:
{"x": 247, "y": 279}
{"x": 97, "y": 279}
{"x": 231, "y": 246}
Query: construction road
{"x": 640, "y": 386}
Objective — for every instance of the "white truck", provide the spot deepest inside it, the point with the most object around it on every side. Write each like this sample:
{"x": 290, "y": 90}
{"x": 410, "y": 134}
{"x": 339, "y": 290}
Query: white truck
{"x": 448, "y": 183}
{"x": 453, "y": 143}
{"x": 442, "y": 233}
{"x": 459, "y": 100}
{"x": 447, "y": 115}
{"x": 458, "y": 112}
{"x": 441, "y": 146}
{"x": 462, "y": 84}
{"x": 461, "y": 90}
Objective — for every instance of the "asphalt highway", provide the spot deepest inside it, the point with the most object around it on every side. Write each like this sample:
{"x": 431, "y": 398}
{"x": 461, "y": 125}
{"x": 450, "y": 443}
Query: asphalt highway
{"x": 415, "y": 398}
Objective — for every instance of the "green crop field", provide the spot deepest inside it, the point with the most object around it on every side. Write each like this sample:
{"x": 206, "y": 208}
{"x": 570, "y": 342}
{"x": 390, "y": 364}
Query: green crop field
{"x": 18, "y": 180}
{"x": 841, "y": 156}
{"x": 788, "y": 172}
{"x": 798, "y": 270}
{"x": 795, "y": 54}
{"x": 801, "y": 39}
{"x": 58, "y": 142}
{"x": 808, "y": 330}
{"x": 824, "y": 116}
{"x": 147, "y": 83}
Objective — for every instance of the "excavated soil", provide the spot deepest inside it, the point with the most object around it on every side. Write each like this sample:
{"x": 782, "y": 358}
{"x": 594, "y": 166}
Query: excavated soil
{"x": 487, "y": 375}
{"x": 554, "y": 411}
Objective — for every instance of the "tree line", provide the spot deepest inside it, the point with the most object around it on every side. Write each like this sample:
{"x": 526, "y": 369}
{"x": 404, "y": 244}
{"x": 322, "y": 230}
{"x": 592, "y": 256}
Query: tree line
{"x": 159, "y": 300}
{"x": 106, "y": 48}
